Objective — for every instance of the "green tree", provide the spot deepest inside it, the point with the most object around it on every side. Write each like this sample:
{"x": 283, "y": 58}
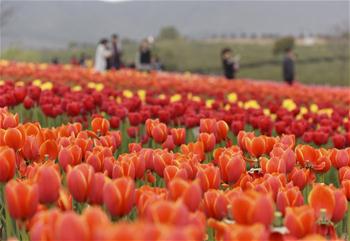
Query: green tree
{"x": 168, "y": 33}
{"x": 282, "y": 44}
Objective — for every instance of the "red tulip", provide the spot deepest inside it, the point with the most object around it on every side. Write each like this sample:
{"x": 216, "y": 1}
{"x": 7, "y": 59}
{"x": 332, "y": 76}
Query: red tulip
{"x": 339, "y": 141}
{"x": 114, "y": 122}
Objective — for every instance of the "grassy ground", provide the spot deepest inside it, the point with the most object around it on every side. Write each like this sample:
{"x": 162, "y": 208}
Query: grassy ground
{"x": 203, "y": 57}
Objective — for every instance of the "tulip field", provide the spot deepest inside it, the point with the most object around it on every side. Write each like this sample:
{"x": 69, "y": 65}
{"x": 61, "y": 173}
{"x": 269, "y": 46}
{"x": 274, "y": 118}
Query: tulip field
{"x": 126, "y": 155}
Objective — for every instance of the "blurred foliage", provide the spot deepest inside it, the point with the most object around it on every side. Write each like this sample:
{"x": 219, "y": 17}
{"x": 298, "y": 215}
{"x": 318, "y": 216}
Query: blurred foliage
{"x": 317, "y": 64}
{"x": 282, "y": 44}
{"x": 168, "y": 33}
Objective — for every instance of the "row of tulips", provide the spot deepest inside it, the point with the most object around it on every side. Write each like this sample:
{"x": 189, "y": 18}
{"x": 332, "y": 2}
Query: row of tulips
{"x": 98, "y": 183}
{"x": 315, "y": 115}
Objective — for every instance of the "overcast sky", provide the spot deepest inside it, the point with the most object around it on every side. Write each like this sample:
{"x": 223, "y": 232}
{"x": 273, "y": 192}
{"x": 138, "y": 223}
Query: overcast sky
{"x": 55, "y": 23}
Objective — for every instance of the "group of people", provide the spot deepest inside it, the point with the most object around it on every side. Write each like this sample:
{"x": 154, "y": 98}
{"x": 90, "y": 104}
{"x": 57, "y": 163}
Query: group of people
{"x": 108, "y": 56}
{"x": 230, "y": 65}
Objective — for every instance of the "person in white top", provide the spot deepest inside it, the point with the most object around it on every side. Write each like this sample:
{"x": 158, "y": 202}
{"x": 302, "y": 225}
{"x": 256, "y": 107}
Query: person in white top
{"x": 102, "y": 53}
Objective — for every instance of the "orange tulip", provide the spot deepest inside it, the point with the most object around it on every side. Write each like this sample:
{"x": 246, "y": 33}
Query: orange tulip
{"x": 71, "y": 155}
{"x": 189, "y": 193}
{"x": 70, "y": 226}
{"x": 161, "y": 160}
{"x": 166, "y": 212}
{"x": 290, "y": 197}
{"x": 124, "y": 169}
{"x": 301, "y": 177}
{"x": 341, "y": 205}
{"x": 208, "y": 141}
{"x": 159, "y": 133}
{"x": 340, "y": 158}
{"x": 7, "y": 163}
{"x": 100, "y": 125}
{"x": 171, "y": 172}
{"x": 226, "y": 232}
{"x": 8, "y": 120}
{"x": 30, "y": 150}
{"x": 346, "y": 188}
{"x": 221, "y": 130}
{"x": 49, "y": 183}
{"x": 48, "y": 150}
{"x": 149, "y": 124}
{"x": 22, "y": 199}
{"x": 252, "y": 207}
{"x": 179, "y": 135}
{"x": 300, "y": 221}
{"x": 209, "y": 178}
{"x": 322, "y": 197}
{"x": 207, "y": 125}
{"x": 64, "y": 201}
{"x": 43, "y": 224}
{"x": 14, "y": 138}
{"x": 196, "y": 148}
{"x": 95, "y": 218}
{"x": 79, "y": 181}
{"x": 231, "y": 167}
{"x": 119, "y": 196}
{"x": 96, "y": 192}
{"x": 273, "y": 165}
{"x": 256, "y": 146}
{"x": 214, "y": 204}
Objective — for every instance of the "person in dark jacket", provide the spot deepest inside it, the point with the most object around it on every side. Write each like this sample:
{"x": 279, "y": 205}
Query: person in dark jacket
{"x": 144, "y": 57}
{"x": 230, "y": 67}
{"x": 115, "y": 60}
{"x": 288, "y": 66}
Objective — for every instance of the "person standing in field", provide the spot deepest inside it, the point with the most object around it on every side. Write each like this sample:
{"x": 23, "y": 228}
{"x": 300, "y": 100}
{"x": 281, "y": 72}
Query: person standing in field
{"x": 101, "y": 56}
{"x": 144, "y": 57}
{"x": 115, "y": 59}
{"x": 230, "y": 66}
{"x": 288, "y": 66}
